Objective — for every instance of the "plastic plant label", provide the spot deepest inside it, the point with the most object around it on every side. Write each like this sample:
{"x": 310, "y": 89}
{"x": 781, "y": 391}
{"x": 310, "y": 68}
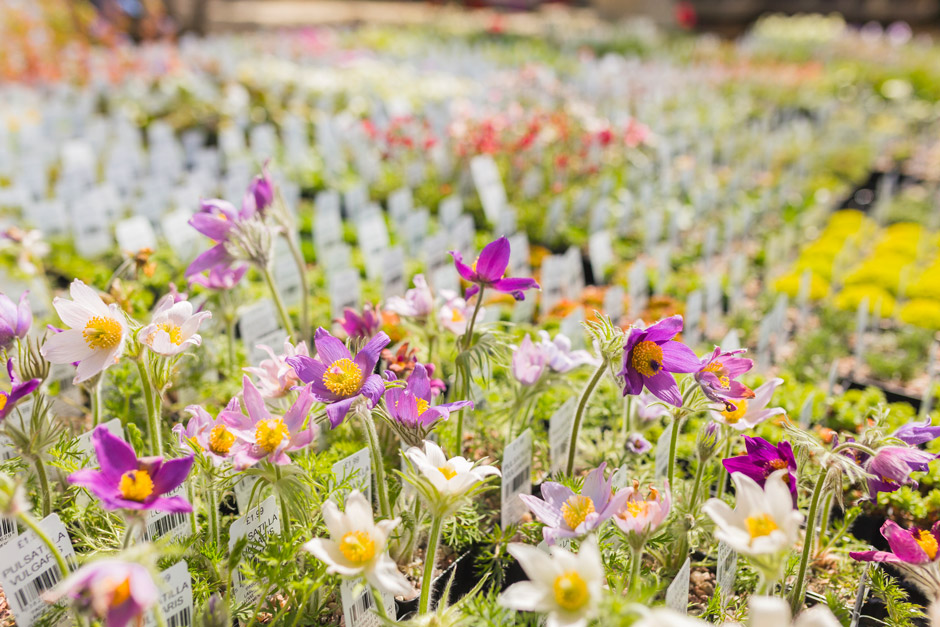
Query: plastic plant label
{"x": 637, "y": 289}
{"x": 174, "y": 525}
{"x": 257, "y": 320}
{"x": 393, "y": 272}
{"x": 613, "y": 302}
{"x": 356, "y": 471}
{"x": 345, "y": 291}
{"x": 517, "y": 478}
{"x": 601, "y": 252}
{"x": 31, "y": 570}
{"x": 176, "y": 597}
{"x": 286, "y": 275}
{"x": 806, "y": 411}
{"x": 243, "y": 489}
{"x": 559, "y": 435}
{"x": 489, "y": 185}
{"x": 662, "y": 452}
{"x": 256, "y": 525}
{"x": 83, "y": 442}
{"x": 359, "y": 604}
{"x": 727, "y": 569}
{"x": 135, "y": 234}
{"x": 677, "y": 594}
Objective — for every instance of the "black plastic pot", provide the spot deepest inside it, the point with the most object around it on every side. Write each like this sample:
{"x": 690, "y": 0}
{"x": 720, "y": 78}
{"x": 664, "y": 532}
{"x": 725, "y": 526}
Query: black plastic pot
{"x": 462, "y": 571}
{"x": 892, "y": 395}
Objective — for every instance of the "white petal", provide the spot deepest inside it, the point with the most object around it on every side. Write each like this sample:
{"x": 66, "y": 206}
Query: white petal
{"x": 87, "y": 298}
{"x": 328, "y": 552}
{"x": 386, "y": 577}
{"x": 526, "y": 596}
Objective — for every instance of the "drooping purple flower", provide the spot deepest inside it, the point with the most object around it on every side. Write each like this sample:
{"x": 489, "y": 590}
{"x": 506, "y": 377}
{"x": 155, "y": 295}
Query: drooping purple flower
{"x": 266, "y": 436}
{"x": 891, "y": 467}
{"x": 220, "y": 277}
{"x": 637, "y": 444}
{"x": 411, "y": 405}
{"x": 718, "y": 373}
{"x": 567, "y": 514}
{"x": 260, "y": 192}
{"x": 117, "y": 592}
{"x": 14, "y": 319}
{"x": 762, "y": 460}
{"x": 914, "y": 552}
{"x": 20, "y": 389}
{"x": 363, "y": 325}
{"x": 915, "y": 433}
{"x": 651, "y": 355}
{"x": 528, "y": 362}
{"x": 216, "y": 219}
{"x": 128, "y": 482}
{"x": 488, "y": 271}
{"x": 336, "y": 378}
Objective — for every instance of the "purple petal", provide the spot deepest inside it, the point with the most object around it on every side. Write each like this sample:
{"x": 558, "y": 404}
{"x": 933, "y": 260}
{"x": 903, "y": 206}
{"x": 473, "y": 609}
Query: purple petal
{"x": 215, "y": 256}
{"x": 665, "y": 329}
{"x": 337, "y": 411}
{"x": 212, "y": 226}
{"x": 254, "y": 402}
{"x": 171, "y": 474}
{"x": 493, "y": 260}
{"x": 307, "y": 369}
{"x": 369, "y": 355}
{"x": 903, "y": 544}
{"x": 115, "y": 456}
{"x": 373, "y": 388}
{"x": 515, "y": 286}
{"x": 677, "y": 357}
{"x": 543, "y": 511}
{"x": 418, "y": 382}
{"x": 329, "y": 349}
{"x": 463, "y": 269}
{"x": 297, "y": 414}
{"x": 663, "y": 386}
{"x": 471, "y": 292}
{"x": 171, "y": 504}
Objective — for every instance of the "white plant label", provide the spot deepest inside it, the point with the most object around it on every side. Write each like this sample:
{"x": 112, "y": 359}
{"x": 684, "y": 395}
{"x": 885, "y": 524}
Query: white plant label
{"x": 257, "y": 525}
{"x": 345, "y": 291}
{"x": 359, "y": 603}
{"x": 559, "y": 435}
{"x": 662, "y": 453}
{"x": 517, "y": 478}
{"x": 135, "y": 234}
{"x": 176, "y": 597}
{"x": 489, "y": 184}
{"x": 727, "y": 570}
{"x": 83, "y": 442}
{"x": 677, "y": 594}
{"x": 174, "y": 525}
{"x": 357, "y": 469}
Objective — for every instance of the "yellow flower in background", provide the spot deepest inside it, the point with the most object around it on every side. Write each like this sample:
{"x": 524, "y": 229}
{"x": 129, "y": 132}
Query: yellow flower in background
{"x": 883, "y": 272}
{"x": 921, "y": 313}
{"x": 927, "y": 285}
{"x": 789, "y": 284}
{"x": 851, "y": 297}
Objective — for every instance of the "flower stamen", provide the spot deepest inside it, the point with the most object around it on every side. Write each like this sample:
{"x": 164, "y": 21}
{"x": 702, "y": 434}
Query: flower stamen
{"x": 647, "y": 358}
{"x": 102, "y": 333}
{"x": 357, "y": 547}
{"x": 343, "y": 377}
{"x": 576, "y": 509}
{"x": 136, "y": 485}
{"x": 571, "y": 592}
{"x": 270, "y": 433}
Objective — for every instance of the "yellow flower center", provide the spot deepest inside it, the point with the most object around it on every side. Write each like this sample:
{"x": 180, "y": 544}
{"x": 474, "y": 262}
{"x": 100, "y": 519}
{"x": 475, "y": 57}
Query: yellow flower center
{"x": 4, "y": 397}
{"x": 357, "y": 547}
{"x": 448, "y": 472}
{"x": 136, "y": 485}
{"x": 422, "y": 405}
{"x": 343, "y": 377}
{"x": 717, "y": 368}
{"x": 173, "y": 331}
{"x": 927, "y": 541}
{"x": 456, "y": 315}
{"x": 270, "y": 433}
{"x": 474, "y": 265}
{"x": 571, "y": 592}
{"x": 732, "y": 417}
{"x": 121, "y": 592}
{"x": 221, "y": 440}
{"x": 637, "y": 508}
{"x": 760, "y": 525}
{"x": 102, "y": 332}
{"x": 576, "y": 509}
{"x": 647, "y": 358}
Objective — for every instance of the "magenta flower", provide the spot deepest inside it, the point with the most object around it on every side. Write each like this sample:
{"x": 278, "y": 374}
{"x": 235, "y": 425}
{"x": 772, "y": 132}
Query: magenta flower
{"x": 915, "y": 433}
{"x": 209, "y": 435}
{"x": 762, "y": 460}
{"x": 336, "y": 378}
{"x": 528, "y": 362}
{"x": 14, "y": 319}
{"x": 260, "y": 192}
{"x": 128, "y": 482}
{"x": 651, "y": 355}
{"x": 220, "y": 278}
{"x": 116, "y": 592}
{"x": 218, "y": 220}
{"x": 266, "y": 436}
{"x": 20, "y": 389}
{"x": 891, "y": 467}
{"x": 488, "y": 271}
{"x": 717, "y": 377}
{"x": 361, "y": 326}
{"x": 567, "y": 514}
{"x": 411, "y": 405}
{"x": 913, "y": 551}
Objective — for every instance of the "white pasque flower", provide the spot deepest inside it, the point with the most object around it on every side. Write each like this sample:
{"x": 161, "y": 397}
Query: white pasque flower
{"x": 356, "y": 547}
{"x": 750, "y": 412}
{"x": 564, "y": 585}
{"x": 667, "y": 617}
{"x": 454, "y": 314}
{"x": 173, "y": 327}
{"x": 450, "y": 478}
{"x": 96, "y": 337}
{"x": 764, "y": 611}
{"x": 763, "y": 521}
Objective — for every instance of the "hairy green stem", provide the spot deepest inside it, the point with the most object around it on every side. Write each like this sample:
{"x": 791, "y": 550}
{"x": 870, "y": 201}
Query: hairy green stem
{"x": 579, "y": 414}
{"x": 153, "y": 410}
{"x": 304, "y": 287}
{"x": 798, "y": 594}
{"x": 627, "y": 418}
{"x": 636, "y": 567}
{"x": 823, "y": 522}
{"x": 468, "y": 336}
{"x": 212, "y": 513}
{"x": 285, "y": 509}
{"x": 722, "y": 473}
{"x": 96, "y": 401}
{"x": 278, "y": 301}
{"x": 378, "y": 464}
{"x": 696, "y": 486}
{"x": 430, "y": 556}
{"x": 673, "y": 444}
{"x": 44, "y": 487}
{"x": 379, "y": 602}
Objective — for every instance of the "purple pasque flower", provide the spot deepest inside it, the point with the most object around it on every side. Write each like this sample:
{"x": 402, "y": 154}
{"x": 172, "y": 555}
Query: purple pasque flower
{"x": 336, "y": 378}
{"x": 220, "y": 278}
{"x": 528, "y": 362}
{"x": 762, "y": 460}
{"x": 363, "y": 325}
{"x": 275, "y": 376}
{"x": 208, "y": 435}
{"x": 746, "y": 413}
{"x": 916, "y": 433}
{"x": 560, "y": 357}
{"x": 15, "y": 319}
{"x": 567, "y": 514}
{"x": 260, "y": 193}
{"x": 488, "y": 271}
{"x": 651, "y": 355}
{"x": 128, "y": 482}
{"x": 118, "y": 593}
{"x": 650, "y": 408}
{"x": 418, "y": 302}
{"x": 20, "y": 389}
{"x": 891, "y": 467}
{"x": 914, "y": 552}
{"x": 266, "y": 436}
{"x": 637, "y": 444}
{"x": 410, "y": 406}
{"x": 218, "y": 220}
{"x": 718, "y": 373}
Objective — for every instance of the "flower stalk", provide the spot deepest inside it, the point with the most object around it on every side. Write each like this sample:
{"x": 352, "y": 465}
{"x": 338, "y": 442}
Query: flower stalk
{"x": 430, "y": 557}
{"x": 798, "y": 593}
{"x": 152, "y": 402}
{"x": 278, "y": 301}
{"x": 302, "y": 270}
{"x": 378, "y": 465}
{"x": 579, "y": 414}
